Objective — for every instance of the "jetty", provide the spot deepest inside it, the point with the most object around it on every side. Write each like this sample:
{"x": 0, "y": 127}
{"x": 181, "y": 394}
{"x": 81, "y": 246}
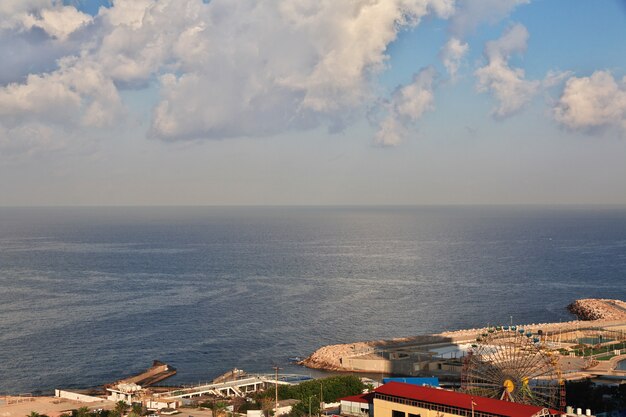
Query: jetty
{"x": 422, "y": 354}
{"x": 156, "y": 373}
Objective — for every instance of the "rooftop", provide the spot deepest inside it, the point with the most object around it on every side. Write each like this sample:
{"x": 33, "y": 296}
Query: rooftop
{"x": 361, "y": 398}
{"x": 458, "y": 400}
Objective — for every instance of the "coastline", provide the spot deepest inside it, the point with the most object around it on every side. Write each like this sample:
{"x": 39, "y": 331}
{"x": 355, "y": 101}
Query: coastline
{"x": 591, "y": 312}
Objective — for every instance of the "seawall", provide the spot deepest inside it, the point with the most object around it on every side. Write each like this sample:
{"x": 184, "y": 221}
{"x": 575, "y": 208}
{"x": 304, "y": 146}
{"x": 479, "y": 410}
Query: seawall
{"x": 591, "y": 313}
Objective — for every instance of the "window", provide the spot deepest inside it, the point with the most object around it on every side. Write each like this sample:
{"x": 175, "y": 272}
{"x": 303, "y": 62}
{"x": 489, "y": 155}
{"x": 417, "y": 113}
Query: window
{"x": 414, "y": 415}
{"x": 395, "y": 413}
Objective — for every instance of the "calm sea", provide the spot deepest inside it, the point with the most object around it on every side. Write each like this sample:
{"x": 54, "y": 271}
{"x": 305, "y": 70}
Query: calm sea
{"x": 89, "y": 295}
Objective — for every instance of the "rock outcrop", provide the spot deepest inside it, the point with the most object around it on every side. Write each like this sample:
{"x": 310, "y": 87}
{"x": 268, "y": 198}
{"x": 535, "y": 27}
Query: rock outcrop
{"x": 331, "y": 357}
{"x": 598, "y": 309}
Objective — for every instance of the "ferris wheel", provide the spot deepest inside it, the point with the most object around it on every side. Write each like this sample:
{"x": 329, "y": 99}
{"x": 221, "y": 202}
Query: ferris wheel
{"x": 511, "y": 364}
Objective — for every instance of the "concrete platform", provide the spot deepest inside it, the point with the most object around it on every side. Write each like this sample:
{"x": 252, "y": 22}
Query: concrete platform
{"x": 50, "y": 406}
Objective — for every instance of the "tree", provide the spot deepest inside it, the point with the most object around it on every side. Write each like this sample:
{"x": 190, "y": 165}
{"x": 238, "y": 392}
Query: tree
{"x": 310, "y": 404}
{"x": 83, "y": 412}
{"x": 335, "y": 387}
{"x": 33, "y": 414}
{"x": 267, "y": 405}
{"x": 138, "y": 409}
{"x": 120, "y": 408}
{"x": 219, "y": 408}
{"x": 237, "y": 403}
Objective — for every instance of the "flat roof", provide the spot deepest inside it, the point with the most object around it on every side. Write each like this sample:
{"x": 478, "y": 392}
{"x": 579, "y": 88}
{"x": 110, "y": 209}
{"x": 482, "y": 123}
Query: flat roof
{"x": 51, "y": 406}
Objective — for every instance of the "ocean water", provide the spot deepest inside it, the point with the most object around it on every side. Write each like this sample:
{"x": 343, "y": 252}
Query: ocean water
{"x": 89, "y": 295}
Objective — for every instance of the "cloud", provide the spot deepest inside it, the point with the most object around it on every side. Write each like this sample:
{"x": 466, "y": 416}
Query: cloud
{"x": 588, "y": 103}
{"x": 315, "y": 63}
{"x": 451, "y": 55}
{"x": 508, "y": 85}
{"x": 470, "y": 14}
{"x": 29, "y": 138}
{"x": 407, "y": 105}
{"x": 554, "y": 78}
{"x": 54, "y": 18}
{"x": 223, "y": 68}
{"x": 31, "y": 52}
{"x": 58, "y": 22}
{"x": 77, "y": 93}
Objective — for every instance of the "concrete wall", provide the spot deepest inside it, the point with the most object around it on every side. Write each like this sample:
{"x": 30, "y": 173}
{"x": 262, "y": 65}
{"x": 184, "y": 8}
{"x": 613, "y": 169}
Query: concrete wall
{"x": 75, "y": 396}
{"x": 369, "y": 365}
{"x": 354, "y": 409}
{"x": 153, "y": 404}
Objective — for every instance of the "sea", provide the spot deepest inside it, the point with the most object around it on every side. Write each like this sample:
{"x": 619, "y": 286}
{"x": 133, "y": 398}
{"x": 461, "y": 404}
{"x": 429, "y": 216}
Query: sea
{"x": 93, "y": 294}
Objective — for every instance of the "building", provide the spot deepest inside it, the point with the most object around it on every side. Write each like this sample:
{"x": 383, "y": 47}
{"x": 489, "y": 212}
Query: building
{"x": 285, "y": 406}
{"x": 127, "y": 392}
{"x": 357, "y": 405}
{"x": 397, "y": 399}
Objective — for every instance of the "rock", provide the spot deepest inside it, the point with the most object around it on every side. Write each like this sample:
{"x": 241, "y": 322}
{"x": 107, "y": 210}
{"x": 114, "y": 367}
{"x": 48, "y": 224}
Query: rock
{"x": 598, "y": 309}
{"x": 331, "y": 357}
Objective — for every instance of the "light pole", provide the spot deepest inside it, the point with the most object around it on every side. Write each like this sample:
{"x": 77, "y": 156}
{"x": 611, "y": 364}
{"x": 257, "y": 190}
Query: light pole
{"x": 276, "y": 368}
{"x": 321, "y": 399}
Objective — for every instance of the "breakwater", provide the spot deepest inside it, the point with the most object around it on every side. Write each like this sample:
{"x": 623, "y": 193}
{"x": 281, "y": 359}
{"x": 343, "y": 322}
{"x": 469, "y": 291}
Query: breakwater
{"x": 598, "y": 309}
{"x": 590, "y": 313}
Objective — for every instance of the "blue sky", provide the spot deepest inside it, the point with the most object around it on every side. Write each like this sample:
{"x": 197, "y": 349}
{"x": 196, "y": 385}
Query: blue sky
{"x": 162, "y": 102}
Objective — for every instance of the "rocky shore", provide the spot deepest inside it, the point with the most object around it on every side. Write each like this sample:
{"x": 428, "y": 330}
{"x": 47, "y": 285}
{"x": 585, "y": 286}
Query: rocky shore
{"x": 602, "y": 311}
{"x": 598, "y": 309}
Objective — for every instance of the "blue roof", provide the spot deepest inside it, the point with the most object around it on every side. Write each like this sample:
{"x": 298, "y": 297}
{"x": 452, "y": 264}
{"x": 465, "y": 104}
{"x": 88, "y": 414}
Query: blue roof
{"x": 430, "y": 381}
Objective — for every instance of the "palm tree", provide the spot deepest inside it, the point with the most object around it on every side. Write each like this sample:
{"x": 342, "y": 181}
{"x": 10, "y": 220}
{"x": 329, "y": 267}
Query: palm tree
{"x": 137, "y": 409}
{"x": 219, "y": 409}
{"x": 83, "y": 412}
{"x": 121, "y": 407}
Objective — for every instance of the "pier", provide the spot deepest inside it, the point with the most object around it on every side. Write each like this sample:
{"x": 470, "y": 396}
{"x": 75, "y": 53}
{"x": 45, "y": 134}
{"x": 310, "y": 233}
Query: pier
{"x": 237, "y": 387}
{"x": 158, "y": 372}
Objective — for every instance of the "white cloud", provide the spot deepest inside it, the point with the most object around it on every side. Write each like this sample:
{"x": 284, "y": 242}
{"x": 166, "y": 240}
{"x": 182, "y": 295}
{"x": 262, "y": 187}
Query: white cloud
{"x": 58, "y": 22}
{"x": 15, "y": 9}
{"x": 452, "y": 53}
{"x": 29, "y": 138}
{"x": 407, "y": 105}
{"x": 52, "y": 16}
{"x": 598, "y": 101}
{"x": 508, "y": 85}
{"x": 76, "y": 94}
{"x": 470, "y": 14}
{"x": 314, "y": 64}
{"x": 391, "y": 131}
{"x": 224, "y": 68}
{"x": 554, "y": 78}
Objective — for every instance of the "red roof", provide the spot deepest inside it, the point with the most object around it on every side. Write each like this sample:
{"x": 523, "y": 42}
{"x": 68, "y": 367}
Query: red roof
{"x": 458, "y": 399}
{"x": 361, "y": 398}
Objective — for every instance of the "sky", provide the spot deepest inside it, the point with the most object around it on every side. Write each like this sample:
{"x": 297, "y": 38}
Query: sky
{"x": 312, "y": 102}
